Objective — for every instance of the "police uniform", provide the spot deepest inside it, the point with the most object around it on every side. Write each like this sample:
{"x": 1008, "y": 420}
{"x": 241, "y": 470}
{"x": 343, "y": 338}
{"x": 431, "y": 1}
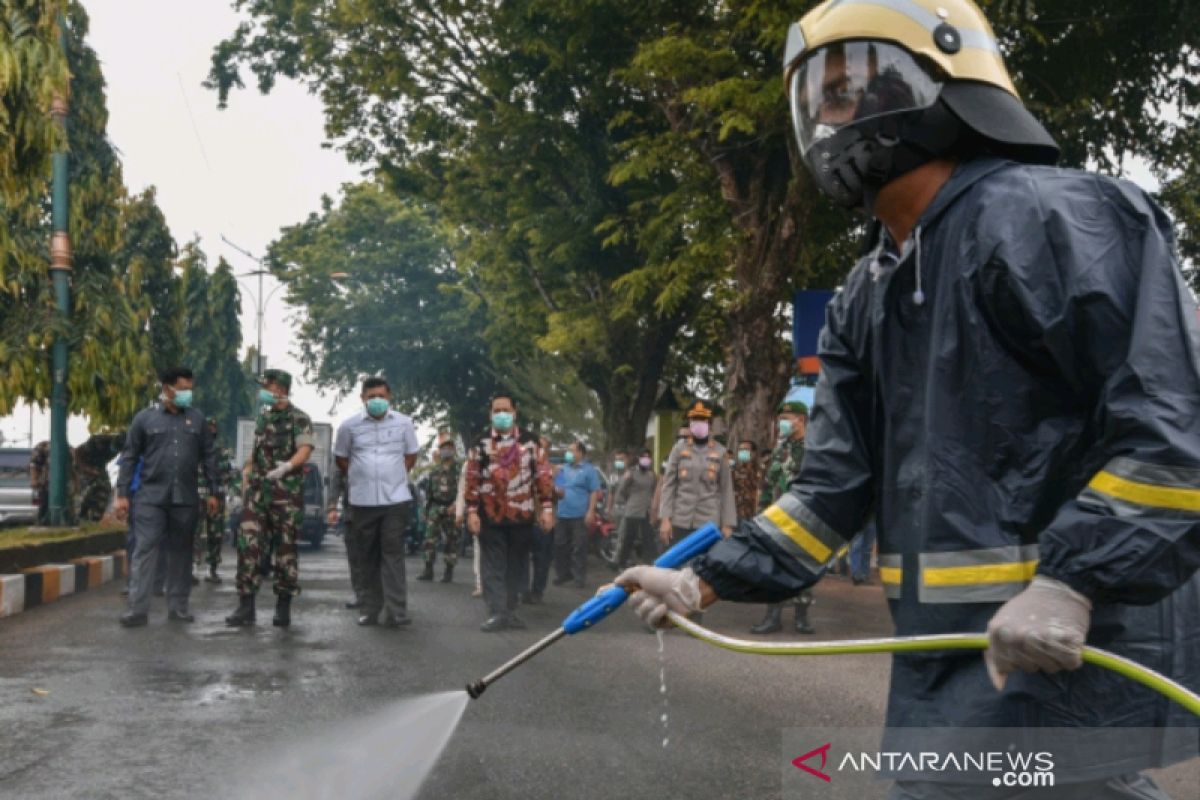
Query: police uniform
{"x": 698, "y": 483}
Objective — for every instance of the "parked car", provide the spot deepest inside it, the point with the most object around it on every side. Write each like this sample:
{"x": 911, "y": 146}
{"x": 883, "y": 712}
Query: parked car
{"x": 312, "y": 530}
{"x": 16, "y": 495}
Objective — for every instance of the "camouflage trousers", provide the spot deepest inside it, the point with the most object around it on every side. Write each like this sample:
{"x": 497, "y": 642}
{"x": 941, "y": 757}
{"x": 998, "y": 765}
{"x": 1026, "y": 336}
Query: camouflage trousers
{"x": 93, "y": 500}
{"x": 210, "y": 529}
{"x": 269, "y": 532}
{"x": 440, "y": 529}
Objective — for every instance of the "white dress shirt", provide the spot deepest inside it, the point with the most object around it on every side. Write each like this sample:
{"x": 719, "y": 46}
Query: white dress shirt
{"x": 376, "y": 449}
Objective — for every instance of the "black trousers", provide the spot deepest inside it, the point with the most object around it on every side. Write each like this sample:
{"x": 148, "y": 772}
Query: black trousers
{"x": 504, "y": 565}
{"x": 636, "y": 531}
{"x": 570, "y": 550}
{"x": 379, "y": 531}
{"x": 543, "y": 557}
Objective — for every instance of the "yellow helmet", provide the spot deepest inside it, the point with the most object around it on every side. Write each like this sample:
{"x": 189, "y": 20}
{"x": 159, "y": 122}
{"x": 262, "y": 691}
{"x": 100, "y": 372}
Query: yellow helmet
{"x": 866, "y": 76}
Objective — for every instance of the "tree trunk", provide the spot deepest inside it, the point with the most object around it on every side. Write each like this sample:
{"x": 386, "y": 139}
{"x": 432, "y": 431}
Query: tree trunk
{"x": 628, "y": 389}
{"x": 767, "y": 205}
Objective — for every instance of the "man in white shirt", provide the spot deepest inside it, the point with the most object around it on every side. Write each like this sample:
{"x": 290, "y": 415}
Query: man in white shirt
{"x": 375, "y": 449}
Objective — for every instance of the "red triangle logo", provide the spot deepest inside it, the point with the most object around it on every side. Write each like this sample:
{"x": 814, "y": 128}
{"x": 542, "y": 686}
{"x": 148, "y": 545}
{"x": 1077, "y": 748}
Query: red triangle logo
{"x": 823, "y": 752}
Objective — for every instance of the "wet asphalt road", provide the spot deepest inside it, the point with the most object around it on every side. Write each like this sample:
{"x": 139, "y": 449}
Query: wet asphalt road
{"x": 181, "y": 711}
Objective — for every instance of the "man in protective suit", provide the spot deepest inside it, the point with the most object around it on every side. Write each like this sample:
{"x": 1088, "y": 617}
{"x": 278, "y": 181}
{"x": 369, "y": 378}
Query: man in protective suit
{"x": 1010, "y": 385}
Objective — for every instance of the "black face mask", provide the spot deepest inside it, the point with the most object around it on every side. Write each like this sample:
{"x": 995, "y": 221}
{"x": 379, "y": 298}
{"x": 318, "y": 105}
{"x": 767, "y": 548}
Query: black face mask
{"x": 852, "y": 165}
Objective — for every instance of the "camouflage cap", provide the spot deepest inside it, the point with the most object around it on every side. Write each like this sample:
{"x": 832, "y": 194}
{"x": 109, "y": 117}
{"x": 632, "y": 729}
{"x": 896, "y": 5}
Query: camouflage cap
{"x": 280, "y": 376}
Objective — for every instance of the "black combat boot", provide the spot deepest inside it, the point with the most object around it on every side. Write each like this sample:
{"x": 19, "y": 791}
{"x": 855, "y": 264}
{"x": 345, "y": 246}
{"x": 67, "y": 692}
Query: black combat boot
{"x": 283, "y": 611}
{"x": 212, "y": 576}
{"x": 802, "y": 605}
{"x": 772, "y": 621}
{"x": 448, "y": 575}
{"x": 427, "y": 575}
{"x": 244, "y": 614}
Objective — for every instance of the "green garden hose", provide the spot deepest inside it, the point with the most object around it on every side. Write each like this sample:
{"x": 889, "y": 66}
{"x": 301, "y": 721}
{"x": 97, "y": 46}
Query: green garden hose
{"x": 917, "y": 644}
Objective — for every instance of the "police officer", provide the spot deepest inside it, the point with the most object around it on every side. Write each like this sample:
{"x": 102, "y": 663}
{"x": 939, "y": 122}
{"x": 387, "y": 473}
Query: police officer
{"x": 784, "y": 467}
{"x": 1009, "y": 384}
{"x": 273, "y": 511}
{"x": 441, "y": 530}
{"x": 697, "y": 485}
{"x": 174, "y": 447}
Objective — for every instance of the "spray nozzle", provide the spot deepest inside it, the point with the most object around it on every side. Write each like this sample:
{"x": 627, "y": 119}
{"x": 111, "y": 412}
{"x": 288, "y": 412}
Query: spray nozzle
{"x": 603, "y": 604}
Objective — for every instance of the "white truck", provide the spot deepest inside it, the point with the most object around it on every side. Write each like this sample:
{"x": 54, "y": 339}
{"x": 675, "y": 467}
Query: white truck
{"x": 317, "y": 473}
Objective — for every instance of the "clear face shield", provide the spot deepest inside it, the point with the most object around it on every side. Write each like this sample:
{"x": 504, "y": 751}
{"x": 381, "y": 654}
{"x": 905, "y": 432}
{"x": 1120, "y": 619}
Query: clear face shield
{"x": 851, "y": 82}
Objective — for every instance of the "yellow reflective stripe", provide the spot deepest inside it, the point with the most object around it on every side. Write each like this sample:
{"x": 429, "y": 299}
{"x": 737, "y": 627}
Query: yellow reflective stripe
{"x": 1015, "y": 572}
{"x": 1145, "y": 494}
{"x": 798, "y": 534}
{"x": 890, "y": 576}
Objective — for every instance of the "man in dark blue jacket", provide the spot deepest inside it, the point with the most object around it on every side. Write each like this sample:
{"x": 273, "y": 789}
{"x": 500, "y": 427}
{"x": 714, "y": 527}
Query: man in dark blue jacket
{"x": 169, "y": 442}
{"x": 1010, "y": 387}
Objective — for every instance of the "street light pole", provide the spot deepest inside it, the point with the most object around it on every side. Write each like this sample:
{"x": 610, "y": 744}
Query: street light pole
{"x": 260, "y": 302}
{"x": 60, "y": 270}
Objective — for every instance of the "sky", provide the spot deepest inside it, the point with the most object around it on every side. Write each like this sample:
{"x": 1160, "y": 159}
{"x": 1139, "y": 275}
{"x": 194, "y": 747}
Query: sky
{"x": 243, "y": 172}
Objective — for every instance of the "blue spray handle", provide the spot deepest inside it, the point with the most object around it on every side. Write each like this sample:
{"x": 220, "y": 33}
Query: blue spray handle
{"x": 600, "y": 606}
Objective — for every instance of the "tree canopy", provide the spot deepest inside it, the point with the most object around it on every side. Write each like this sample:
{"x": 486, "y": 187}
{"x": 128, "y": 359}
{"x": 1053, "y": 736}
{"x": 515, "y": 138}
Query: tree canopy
{"x": 617, "y": 178}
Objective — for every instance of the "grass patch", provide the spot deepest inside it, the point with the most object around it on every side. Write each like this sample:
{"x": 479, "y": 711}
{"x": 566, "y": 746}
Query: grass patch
{"x": 25, "y": 537}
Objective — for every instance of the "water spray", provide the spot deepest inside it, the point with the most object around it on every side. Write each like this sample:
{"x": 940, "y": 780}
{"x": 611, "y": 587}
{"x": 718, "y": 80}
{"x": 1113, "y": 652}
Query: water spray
{"x": 603, "y": 604}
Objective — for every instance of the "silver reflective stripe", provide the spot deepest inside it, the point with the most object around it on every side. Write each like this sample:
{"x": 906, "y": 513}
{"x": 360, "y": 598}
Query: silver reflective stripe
{"x": 794, "y": 46}
{"x": 1090, "y": 498}
{"x": 800, "y": 532}
{"x": 815, "y": 525}
{"x": 1177, "y": 477}
{"x": 988, "y": 575}
{"x": 891, "y": 574}
{"x": 1128, "y": 488}
{"x": 971, "y": 37}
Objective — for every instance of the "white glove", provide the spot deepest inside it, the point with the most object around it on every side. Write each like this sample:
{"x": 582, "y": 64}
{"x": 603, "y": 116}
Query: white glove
{"x": 281, "y": 469}
{"x": 1043, "y": 629}
{"x": 661, "y": 590}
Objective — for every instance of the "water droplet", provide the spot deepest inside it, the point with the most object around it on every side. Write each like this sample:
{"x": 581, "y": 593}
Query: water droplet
{"x": 664, "y": 719}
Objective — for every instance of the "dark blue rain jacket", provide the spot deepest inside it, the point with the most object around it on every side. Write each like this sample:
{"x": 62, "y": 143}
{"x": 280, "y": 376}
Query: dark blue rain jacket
{"x": 1039, "y": 412}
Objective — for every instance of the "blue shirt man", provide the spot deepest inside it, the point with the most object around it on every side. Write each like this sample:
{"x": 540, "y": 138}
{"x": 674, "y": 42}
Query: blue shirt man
{"x": 578, "y": 481}
{"x": 578, "y": 485}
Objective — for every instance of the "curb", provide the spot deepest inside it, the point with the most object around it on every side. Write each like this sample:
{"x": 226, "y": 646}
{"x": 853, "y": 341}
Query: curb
{"x": 38, "y": 586}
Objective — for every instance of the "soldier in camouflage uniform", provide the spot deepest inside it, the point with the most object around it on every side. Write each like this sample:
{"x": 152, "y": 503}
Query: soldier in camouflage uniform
{"x": 39, "y": 480}
{"x": 91, "y": 474}
{"x": 747, "y": 480}
{"x": 210, "y": 524}
{"x": 274, "y": 500}
{"x": 441, "y": 490}
{"x": 783, "y": 469}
